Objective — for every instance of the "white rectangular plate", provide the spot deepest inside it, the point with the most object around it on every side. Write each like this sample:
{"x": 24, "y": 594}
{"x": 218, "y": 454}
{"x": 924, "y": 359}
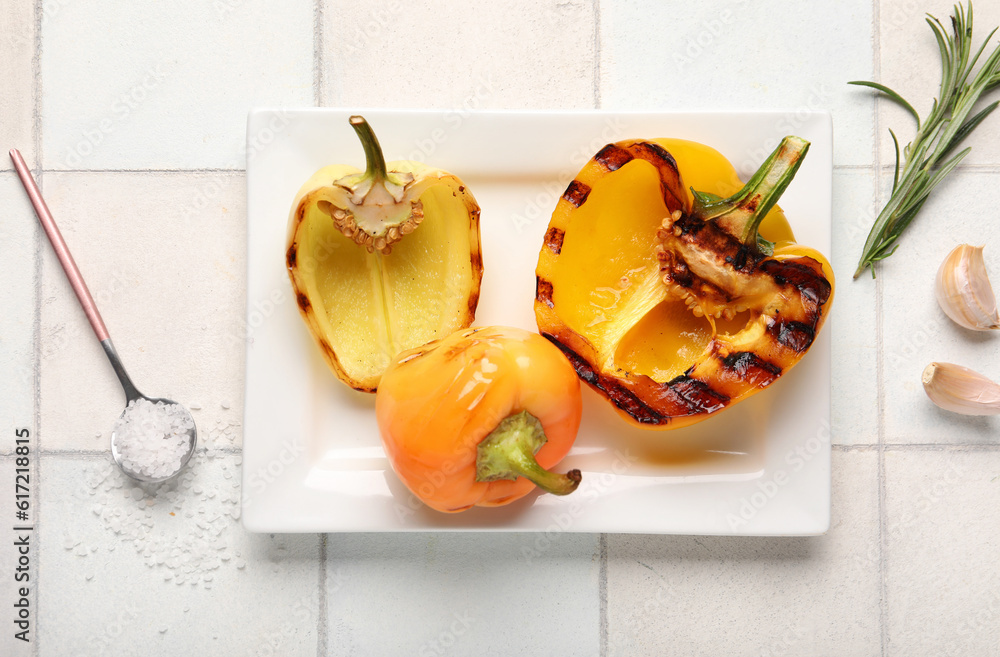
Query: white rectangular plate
{"x": 312, "y": 456}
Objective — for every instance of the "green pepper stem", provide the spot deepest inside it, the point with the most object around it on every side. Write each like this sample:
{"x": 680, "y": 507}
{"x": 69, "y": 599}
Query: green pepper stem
{"x": 509, "y": 452}
{"x": 375, "y": 161}
{"x": 741, "y": 213}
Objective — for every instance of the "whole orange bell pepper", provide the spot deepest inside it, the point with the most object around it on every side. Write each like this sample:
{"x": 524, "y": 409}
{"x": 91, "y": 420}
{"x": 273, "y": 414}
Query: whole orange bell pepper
{"x": 478, "y": 418}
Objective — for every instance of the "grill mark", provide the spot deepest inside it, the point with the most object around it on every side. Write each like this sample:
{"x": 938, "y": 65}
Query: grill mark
{"x": 749, "y": 367}
{"x": 797, "y": 336}
{"x": 543, "y": 291}
{"x": 613, "y": 157}
{"x": 291, "y": 255}
{"x": 554, "y": 239}
{"x": 614, "y": 391}
{"x": 697, "y": 396}
{"x": 303, "y": 302}
{"x": 576, "y": 193}
{"x": 807, "y": 278}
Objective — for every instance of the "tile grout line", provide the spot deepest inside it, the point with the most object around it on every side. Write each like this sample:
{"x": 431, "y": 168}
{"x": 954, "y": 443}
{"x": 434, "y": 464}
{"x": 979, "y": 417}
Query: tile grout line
{"x": 602, "y": 589}
{"x": 597, "y": 54}
{"x": 879, "y": 345}
{"x": 321, "y": 603}
{"x": 318, "y": 53}
{"x": 36, "y": 330}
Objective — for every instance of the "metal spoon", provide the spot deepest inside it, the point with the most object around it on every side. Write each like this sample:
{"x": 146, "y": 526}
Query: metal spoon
{"x": 94, "y": 317}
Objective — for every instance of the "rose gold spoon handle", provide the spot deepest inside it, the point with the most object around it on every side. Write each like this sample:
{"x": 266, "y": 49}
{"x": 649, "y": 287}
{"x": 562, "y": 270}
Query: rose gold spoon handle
{"x": 59, "y": 244}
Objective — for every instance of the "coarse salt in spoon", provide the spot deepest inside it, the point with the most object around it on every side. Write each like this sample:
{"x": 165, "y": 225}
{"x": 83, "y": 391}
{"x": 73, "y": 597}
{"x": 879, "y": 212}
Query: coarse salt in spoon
{"x": 154, "y": 438}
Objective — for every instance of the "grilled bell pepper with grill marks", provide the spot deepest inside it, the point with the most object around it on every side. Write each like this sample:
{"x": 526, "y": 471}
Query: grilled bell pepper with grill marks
{"x": 671, "y": 304}
{"x": 382, "y": 260}
{"x": 476, "y": 419}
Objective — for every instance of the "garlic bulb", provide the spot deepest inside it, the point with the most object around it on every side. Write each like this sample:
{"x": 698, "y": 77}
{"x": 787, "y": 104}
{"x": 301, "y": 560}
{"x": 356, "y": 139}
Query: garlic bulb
{"x": 961, "y": 390}
{"x": 963, "y": 289}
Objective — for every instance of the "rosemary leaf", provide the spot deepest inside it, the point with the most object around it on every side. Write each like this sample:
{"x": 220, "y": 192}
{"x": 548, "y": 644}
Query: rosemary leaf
{"x": 926, "y": 160}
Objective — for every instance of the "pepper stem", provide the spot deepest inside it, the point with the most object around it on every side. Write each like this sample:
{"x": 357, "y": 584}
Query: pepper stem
{"x": 509, "y": 452}
{"x": 374, "y": 159}
{"x": 741, "y": 214}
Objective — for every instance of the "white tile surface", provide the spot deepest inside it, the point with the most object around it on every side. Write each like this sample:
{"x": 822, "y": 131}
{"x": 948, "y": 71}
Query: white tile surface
{"x": 19, "y": 233}
{"x": 750, "y": 596}
{"x": 943, "y": 581}
{"x": 460, "y": 55}
{"x": 742, "y": 55}
{"x": 131, "y": 85}
{"x": 855, "y": 377}
{"x": 911, "y": 66}
{"x": 167, "y": 573}
{"x": 462, "y": 594}
{"x": 164, "y": 257}
{"x": 17, "y": 80}
{"x": 915, "y": 329}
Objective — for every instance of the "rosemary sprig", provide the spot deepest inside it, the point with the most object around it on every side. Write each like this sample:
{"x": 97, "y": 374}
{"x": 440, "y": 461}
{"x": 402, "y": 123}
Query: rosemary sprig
{"x": 948, "y": 123}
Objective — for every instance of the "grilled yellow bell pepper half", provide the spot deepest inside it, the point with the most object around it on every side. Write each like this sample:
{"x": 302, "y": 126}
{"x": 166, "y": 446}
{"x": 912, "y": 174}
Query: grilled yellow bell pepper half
{"x": 382, "y": 260}
{"x": 670, "y": 302}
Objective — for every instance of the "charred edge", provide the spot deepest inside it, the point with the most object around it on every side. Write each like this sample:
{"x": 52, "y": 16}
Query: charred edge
{"x": 810, "y": 282}
{"x": 303, "y": 302}
{"x": 543, "y": 291}
{"x": 666, "y": 165}
{"x": 616, "y": 393}
{"x": 473, "y": 304}
{"x": 300, "y": 212}
{"x": 576, "y": 193}
{"x": 748, "y": 366}
{"x": 654, "y": 154}
{"x": 697, "y": 395}
{"x": 554, "y": 239}
{"x": 476, "y": 260}
{"x": 291, "y": 255}
{"x": 795, "y": 335}
{"x": 613, "y": 157}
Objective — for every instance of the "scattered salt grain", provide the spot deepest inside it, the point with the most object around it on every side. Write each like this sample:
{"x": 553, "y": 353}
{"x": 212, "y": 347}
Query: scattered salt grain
{"x": 152, "y": 439}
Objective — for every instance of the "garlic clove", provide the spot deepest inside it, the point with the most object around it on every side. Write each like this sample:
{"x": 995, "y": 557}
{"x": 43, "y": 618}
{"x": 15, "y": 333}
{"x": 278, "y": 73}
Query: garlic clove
{"x": 963, "y": 289}
{"x": 961, "y": 390}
